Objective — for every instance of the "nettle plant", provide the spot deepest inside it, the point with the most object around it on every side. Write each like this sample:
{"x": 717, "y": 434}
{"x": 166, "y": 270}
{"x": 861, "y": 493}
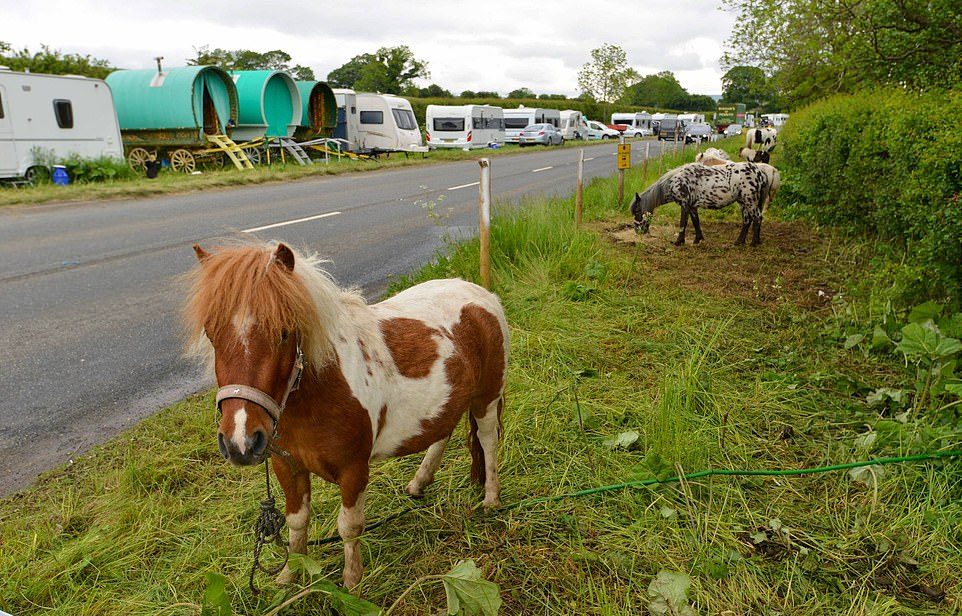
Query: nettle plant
{"x": 930, "y": 347}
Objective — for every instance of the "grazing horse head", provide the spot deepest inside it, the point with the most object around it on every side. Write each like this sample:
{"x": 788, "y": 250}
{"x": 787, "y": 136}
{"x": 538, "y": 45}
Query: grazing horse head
{"x": 644, "y": 204}
{"x": 260, "y": 321}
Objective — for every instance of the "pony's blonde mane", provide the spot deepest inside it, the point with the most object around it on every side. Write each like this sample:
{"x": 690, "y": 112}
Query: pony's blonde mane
{"x": 244, "y": 279}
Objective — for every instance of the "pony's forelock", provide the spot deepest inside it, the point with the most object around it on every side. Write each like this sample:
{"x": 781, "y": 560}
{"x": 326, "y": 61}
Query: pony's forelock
{"x": 243, "y": 279}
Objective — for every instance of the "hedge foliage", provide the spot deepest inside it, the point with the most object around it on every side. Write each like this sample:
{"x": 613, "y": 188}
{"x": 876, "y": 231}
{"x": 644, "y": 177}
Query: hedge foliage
{"x": 886, "y": 163}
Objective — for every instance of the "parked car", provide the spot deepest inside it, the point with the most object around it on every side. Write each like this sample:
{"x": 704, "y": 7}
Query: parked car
{"x": 733, "y": 130}
{"x": 696, "y": 133}
{"x": 544, "y": 134}
{"x": 597, "y": 130}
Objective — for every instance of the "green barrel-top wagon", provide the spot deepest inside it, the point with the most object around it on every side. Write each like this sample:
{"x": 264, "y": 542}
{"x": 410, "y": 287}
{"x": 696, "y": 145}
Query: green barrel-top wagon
{"x": 270, "y": 111}
{"x": 177, "y": 115}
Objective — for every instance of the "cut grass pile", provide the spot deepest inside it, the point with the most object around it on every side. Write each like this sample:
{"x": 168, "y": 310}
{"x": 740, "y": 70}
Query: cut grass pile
{"x": 169, "y": 182}
{"x": 629, "y": 360}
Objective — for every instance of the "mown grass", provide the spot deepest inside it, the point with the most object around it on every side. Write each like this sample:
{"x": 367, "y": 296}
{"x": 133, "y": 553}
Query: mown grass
{"x": 714, "y": 355}
{"x": 169, "y": 182}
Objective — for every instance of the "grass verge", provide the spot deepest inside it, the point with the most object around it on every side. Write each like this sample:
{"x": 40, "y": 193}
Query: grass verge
{"x": 631, "y": 359}
{"x": 170, "y": 183}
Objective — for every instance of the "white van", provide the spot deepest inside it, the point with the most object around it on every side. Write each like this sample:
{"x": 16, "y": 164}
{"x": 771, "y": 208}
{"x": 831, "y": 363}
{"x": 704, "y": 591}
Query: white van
{"x": 463, "y": 126}
{"x": 639, "y": 124}
{"x": 386, "y": 123}
{"x": 573, "y": 125}
{"x": 54, "y": 116}
{"x": 516, "y": 119}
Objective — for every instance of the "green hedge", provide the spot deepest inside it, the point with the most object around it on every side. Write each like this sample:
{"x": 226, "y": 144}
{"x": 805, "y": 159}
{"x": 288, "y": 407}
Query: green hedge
{"x": 886, "y": 163}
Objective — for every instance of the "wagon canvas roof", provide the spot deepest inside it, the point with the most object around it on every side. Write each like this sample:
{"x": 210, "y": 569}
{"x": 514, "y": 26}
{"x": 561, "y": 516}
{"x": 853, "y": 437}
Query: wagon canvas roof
{"x": 172, "y": 99}
{"x": 270, "y": 104}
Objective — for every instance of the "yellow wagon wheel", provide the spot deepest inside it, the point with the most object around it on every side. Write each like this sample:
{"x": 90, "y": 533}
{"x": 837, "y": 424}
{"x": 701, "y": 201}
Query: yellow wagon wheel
{"x": 183, "y": 161}
{"x": 137, "y": 159}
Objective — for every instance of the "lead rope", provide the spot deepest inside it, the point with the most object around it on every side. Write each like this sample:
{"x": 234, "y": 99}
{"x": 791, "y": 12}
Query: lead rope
{"x": 268, "y": 528}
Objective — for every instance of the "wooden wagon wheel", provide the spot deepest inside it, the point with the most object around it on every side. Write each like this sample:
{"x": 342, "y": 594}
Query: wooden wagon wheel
{"x": 255, "y": 155}
{"x": 137, "y": 159}
{"x": 183, "y": 161}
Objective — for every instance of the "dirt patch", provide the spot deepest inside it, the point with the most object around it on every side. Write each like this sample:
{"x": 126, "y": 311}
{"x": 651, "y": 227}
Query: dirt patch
{"x": 792, "y": 263}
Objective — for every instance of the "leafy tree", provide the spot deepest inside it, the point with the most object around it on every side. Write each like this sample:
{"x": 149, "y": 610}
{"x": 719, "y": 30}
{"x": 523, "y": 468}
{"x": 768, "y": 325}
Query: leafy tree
{"x": 521, "y": 93}
{"x": 486, "y": 94}
{"x": 468, "y": 94}
{"x": 814, "y": 48}
{"x": 746, "y": 84}
{"x": 391, "y": 70}
{"x": 248, "y": 60}
{"x": 348, "y": 74}
{"x": 432, "y": 91}
{"x": 658, "y": 90}
{"x": 607, "y": 75}
{"x": 552, "y": 97}
{"x": 53, "y": 62}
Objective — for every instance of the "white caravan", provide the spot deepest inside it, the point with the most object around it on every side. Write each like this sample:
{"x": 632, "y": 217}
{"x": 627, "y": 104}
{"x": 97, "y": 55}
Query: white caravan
{"x": 573, "y": 125}
{"x": 348, "y": 127}
{"x": 692, "y": 118}
{"x": 46, "y": 118}
{"x": 386, "y": 124}
{"x": 463, "y": 126}
{"x": 516, "y": 119}
{"x": 639, "y": 124}
{"x": 777, "y": 120}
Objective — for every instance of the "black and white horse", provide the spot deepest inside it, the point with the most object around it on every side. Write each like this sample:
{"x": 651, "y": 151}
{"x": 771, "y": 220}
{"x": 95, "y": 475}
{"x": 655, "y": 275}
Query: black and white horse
{"x": 761, "y": 139}
{"x": 695, "y": 186}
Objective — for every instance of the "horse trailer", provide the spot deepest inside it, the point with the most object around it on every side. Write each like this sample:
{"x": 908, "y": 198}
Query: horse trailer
{"x": 516, "y": 119}
{"x": 46, "y": 118}
{"x": 574, "y": 125}
{"x": 463, "y": 126}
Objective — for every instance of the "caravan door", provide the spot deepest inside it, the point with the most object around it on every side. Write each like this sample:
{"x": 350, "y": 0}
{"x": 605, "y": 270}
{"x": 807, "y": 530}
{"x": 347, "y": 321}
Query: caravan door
{"x": 8, "y": 149}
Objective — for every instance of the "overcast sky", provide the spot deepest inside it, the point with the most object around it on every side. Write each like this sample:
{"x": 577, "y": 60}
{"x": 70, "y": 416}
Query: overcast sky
{"x": 494, "y": 45}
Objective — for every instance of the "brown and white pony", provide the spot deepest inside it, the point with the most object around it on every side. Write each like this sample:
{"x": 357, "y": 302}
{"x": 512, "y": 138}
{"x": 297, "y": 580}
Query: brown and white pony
{"x": 381, "y": 380}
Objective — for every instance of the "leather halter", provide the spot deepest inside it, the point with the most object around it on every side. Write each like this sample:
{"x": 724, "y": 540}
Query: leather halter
{"x": 258, "y": 397}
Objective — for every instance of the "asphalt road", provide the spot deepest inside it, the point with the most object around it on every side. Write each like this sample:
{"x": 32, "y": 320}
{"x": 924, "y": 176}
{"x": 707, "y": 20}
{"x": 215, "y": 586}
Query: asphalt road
{"x": 90, "y": 339}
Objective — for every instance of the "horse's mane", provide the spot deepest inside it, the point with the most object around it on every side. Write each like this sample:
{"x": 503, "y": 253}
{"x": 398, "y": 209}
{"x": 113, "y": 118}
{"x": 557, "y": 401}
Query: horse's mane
{"x": 656, "y": 194}
{"x": 243, "y": 279}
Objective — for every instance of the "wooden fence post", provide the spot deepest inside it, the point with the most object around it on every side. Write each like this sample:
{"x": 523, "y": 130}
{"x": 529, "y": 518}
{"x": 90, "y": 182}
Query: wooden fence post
{"x": 484, "y": 221}
{"x": 579, "y": 192}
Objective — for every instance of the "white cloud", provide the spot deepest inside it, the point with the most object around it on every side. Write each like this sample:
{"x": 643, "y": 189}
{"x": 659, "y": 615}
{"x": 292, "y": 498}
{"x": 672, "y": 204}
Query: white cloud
{"x": 494, "y": 46}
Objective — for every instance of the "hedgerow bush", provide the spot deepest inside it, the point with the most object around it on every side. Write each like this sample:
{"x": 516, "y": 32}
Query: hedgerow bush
{"x": 886, "y": 163}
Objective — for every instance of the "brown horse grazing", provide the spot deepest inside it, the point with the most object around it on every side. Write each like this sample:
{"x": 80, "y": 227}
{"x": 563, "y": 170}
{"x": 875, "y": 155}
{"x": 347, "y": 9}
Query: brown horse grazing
{"x": 324, "y": 383}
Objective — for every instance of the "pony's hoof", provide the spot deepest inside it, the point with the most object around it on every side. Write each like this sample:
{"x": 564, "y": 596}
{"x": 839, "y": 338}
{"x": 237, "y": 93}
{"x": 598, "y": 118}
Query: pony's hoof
{"x": 285, "y": 577}
{"x": 414, "y": 491}
{"x": 491, "y": 502}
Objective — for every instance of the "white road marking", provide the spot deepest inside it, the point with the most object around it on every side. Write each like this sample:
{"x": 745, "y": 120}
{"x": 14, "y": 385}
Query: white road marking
{"x": 288, "y": 222}
{"x": 541, "y": 169}
{"x": 464, "y": 186}
{"x": 591, "y": 158}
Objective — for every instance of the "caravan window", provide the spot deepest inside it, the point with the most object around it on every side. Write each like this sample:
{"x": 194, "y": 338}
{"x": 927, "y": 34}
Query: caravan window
{"x": 515, "y": 122}
{"x": 64, "y": 112}
{"x": 448, "y": 124}
{"x": 405, "y": 119}
{"x": 495, "y": 123}
{"x": 372, "y": 117}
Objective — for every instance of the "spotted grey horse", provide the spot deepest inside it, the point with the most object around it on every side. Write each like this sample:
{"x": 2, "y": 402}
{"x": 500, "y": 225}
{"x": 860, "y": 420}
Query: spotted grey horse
{"x": 695, "y": 186}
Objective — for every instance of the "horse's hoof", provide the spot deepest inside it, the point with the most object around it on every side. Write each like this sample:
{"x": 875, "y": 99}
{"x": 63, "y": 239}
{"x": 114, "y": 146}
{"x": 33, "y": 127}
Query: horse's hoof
{"x": 285, "y": 577}
{"x": 491, "y": 502}
{"x": 414, "y": 491}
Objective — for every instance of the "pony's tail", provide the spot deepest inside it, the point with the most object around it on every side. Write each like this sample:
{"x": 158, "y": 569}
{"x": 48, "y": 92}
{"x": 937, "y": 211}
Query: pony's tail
{"x": 764, "y": 193}
{"x": 478, "y": 473}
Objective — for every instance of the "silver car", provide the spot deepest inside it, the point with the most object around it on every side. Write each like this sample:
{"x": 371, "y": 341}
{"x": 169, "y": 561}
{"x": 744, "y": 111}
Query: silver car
{"x": 540, "y": 134}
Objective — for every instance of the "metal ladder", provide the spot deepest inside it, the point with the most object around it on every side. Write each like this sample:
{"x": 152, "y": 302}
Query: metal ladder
{"x": 233, "y": 151}
{"x": 295, "y": 150}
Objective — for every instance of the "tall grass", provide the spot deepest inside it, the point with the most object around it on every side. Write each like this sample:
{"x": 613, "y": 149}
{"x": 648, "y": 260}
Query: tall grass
{"x": 605, "y": 340}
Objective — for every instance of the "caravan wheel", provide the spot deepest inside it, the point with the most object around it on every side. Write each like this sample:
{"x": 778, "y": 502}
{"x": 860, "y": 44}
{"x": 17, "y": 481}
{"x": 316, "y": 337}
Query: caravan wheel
{"x": 37, "y": 173}
{"x": 183, "y": 161}
{"x": 137, "y": 159}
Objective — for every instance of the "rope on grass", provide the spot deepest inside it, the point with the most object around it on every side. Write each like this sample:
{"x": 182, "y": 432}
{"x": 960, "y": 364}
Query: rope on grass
{"x": 727, "y": 472}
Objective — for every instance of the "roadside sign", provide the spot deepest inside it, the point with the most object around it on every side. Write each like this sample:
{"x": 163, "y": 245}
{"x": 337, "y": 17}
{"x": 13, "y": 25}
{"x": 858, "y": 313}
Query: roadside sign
{"x": 624, "y": 155}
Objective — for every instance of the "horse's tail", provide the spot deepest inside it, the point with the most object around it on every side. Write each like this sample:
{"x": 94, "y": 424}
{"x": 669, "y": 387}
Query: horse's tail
{"x": 772, "y": 190}
{"x": 758, "y": 135}
{"x": 478, "y": 473}
{"x": 764, "y": 191}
